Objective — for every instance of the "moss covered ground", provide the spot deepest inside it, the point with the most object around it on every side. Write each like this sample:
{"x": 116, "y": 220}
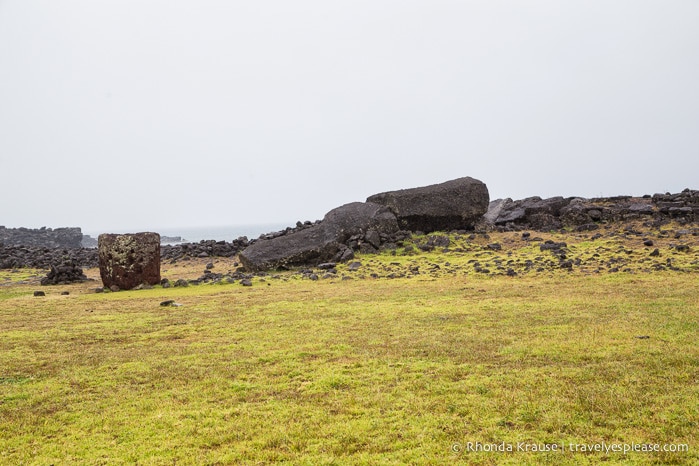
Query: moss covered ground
{"x": 434, "y": 356}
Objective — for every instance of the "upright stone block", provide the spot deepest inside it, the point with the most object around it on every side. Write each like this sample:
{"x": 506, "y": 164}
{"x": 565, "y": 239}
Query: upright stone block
{"x": 129, "y": 260}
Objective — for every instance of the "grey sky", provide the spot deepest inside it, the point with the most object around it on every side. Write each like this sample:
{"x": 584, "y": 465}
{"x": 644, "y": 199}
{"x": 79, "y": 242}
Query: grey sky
{"x": 141, "y": 114}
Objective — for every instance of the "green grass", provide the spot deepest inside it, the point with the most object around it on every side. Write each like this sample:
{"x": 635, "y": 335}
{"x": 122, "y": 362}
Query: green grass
{"x": 364, "y": 371}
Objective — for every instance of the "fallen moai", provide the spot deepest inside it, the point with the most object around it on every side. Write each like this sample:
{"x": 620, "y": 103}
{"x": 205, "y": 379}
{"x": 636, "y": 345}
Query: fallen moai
{"x": 322, "y": 242}
{"x": 453, "y": 205}
{"x": 456, "y": 204}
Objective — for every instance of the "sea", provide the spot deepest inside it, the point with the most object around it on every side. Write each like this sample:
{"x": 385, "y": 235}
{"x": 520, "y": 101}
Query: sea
{"x": 200, "y": 233}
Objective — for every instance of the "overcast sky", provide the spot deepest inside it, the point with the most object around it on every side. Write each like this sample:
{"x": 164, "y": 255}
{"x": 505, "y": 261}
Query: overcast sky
{"x": 141, "y": 114}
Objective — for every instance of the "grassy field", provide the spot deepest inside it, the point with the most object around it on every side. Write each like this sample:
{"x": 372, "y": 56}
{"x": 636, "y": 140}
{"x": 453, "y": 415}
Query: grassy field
{"x": 418, "y": 369}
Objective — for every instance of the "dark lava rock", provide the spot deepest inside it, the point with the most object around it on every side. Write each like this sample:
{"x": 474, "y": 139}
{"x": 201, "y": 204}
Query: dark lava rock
{"x": 322, "y": 242}
{"x": 582, "y": 214}
{"x": 43, "y": 257}
{"x": 359, "y": 218}
{"x": 552, "y": 246}
{"x": 535, "y": 212}
{"x": 68, "y": 272}
{"x": 495, "y": 209}
{"x": 587, "y": 227}
{"x": 453, "y": 205}
{"x": 205, "y": 248}
{"x": 354, "y": 266}
{"x": 640, "y": 208}
{"x": 69, "y": 238}
{"x": 438, "y": 241}
{"x": 373, "y": 237}
{"x": 39, "y": 293}
{"x": 308, "y": 246}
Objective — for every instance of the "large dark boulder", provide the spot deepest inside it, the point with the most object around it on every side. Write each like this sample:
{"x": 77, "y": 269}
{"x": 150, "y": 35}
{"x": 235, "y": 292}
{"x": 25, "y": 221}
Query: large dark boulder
{"x": 309, "y": 246}
{"x": 453, "y": 205}
{"x": 359, "y": 218}
{"x": 323, "y": 242}
{"x": 129, "y": 260}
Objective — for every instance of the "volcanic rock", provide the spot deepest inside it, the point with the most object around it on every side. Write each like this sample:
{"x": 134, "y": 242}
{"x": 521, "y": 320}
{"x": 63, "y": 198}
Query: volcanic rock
{"x": 68, "y": 272}
{"x": 309, "y": 246}
{"x": 453, "y": 205}
{"x": 322, "y": 242}
{"x": 359, "y": 218}
{"x": 42, "y": 237}
{"x": 129, "y": 260}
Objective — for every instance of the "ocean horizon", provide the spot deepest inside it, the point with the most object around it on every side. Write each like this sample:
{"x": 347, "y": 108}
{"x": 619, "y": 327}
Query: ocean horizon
{"x": 201, "y": 233}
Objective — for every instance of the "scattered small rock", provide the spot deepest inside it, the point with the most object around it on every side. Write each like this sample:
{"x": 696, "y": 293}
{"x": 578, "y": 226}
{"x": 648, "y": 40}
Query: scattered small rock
{"x": 354, "y": 266}
{"x": 171, "y": 303}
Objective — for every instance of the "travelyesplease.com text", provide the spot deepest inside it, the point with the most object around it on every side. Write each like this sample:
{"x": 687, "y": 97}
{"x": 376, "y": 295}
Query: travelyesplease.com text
{"x": 529, "y": 447}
